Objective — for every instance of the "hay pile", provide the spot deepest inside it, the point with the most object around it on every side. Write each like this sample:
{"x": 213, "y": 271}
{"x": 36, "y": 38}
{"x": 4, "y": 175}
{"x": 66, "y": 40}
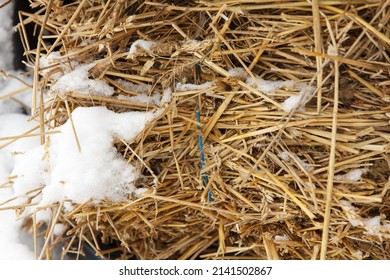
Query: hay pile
{"x": 283, "y": 182}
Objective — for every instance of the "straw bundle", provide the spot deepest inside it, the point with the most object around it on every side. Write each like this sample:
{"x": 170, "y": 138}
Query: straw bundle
{"x": 307, "y": 182}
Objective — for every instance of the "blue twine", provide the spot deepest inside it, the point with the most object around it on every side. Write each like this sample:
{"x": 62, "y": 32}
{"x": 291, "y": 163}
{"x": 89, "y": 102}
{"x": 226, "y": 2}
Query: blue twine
{"x": 200, "y": 143}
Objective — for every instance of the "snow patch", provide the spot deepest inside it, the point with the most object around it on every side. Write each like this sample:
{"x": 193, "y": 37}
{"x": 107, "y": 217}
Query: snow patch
{"x": 28, "y": 170}
{"x": 58, "y": 229}
{"x": 12, "y": 245}
{"x": 291, "y": 103}
{"x": 14, "y": 125}
{"x": 332, "y": 50}
{"x": 287, "y": 156}
{"x": 167, "y": 96}
{"x": 192, "y": 87}
{"x": 296, "y": 101}
{"x": 6, "y": 47}
{"x": 47, "y": 63}
{"x": 372, "y": 225}
{"x": 43, "y": 216}
{"x": 20, "y": 101}
{"x": 266, "y": 86}
{"x": 144, "y": 93}
{"x": 154, "y": 99}
{"x": 138, "y": 45}
{"x": 78, "y": 81}
{"x": 281, "y": 238}
{"x": 96, "y": 172}
{"x": 353, "y": 175}
{"x": 137, "y": 88}
{"x": 238, "y": 73}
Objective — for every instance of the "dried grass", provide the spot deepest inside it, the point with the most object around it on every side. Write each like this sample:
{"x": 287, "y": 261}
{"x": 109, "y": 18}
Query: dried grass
{"x": 257, "y": 195}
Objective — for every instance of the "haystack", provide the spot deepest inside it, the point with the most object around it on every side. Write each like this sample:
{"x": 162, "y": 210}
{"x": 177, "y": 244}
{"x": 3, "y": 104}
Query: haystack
{"x": 270, "y": 135}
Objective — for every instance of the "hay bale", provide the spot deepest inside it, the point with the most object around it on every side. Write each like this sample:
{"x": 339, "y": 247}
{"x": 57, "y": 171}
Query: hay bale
{"x": 290, "y": 100}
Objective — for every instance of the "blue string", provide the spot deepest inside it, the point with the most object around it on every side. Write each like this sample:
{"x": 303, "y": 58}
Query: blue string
{"x": 200, "y": 143}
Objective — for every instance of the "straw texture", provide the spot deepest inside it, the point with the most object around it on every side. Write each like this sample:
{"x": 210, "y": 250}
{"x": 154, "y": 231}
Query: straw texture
{"x": 276, "y": 177}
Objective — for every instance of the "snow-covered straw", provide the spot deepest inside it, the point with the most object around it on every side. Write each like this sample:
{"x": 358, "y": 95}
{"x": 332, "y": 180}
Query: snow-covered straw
{"x": 267, "y": 86}
{"x": 294, "y": 102}
{"x": 95, "y": 173}
{"x": 138, "y": 45}
{"x": 286, "y": 156}
{"x": 78, "y": 81}
{"x": 13, "y": 122}
{"x": 372, "y": 225}
{"x": 190, "y": 87}
{"x": 353, "y": 175}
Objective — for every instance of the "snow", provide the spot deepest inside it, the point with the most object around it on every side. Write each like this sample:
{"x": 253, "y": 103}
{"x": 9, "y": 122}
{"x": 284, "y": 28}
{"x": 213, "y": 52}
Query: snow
{"x": 143, "y": 92}
{"x": 137, "y": 88}
{"x": 331, "y": 50}
{"x": 5, "y": 168}
{"x": 372, "y": 225}
{"x": 291, "y": 103}
{"x": 281, "y": 238}
{"x": 20, "y": 101}
{"x": 154, "y": 99}
{"x": 48, "y": 62}
{"x": 167, "y": 96}
{"x": 95, "y": 173}
{"x": 266, "y": 86}
{"x": 353, "y": 175}
{"x": 78, "y": 81}
{"x": 192, "y": 87}
{"x": 295, "y": 101}
{"x": 11, "y": 243}
{"x": 287, "y": 156}
{"x": 238, "y": 73}
{"x": 12, "y": 123}
{"x": 28, "y": 171}
{"x": 68, "y": 206}
{"x": 58, "y": 229}
{"x": 137, "y": 45}
{"x": 42, "y": 215}
{"x": 6, "y": 48}
{"x": 310, "y": 185}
